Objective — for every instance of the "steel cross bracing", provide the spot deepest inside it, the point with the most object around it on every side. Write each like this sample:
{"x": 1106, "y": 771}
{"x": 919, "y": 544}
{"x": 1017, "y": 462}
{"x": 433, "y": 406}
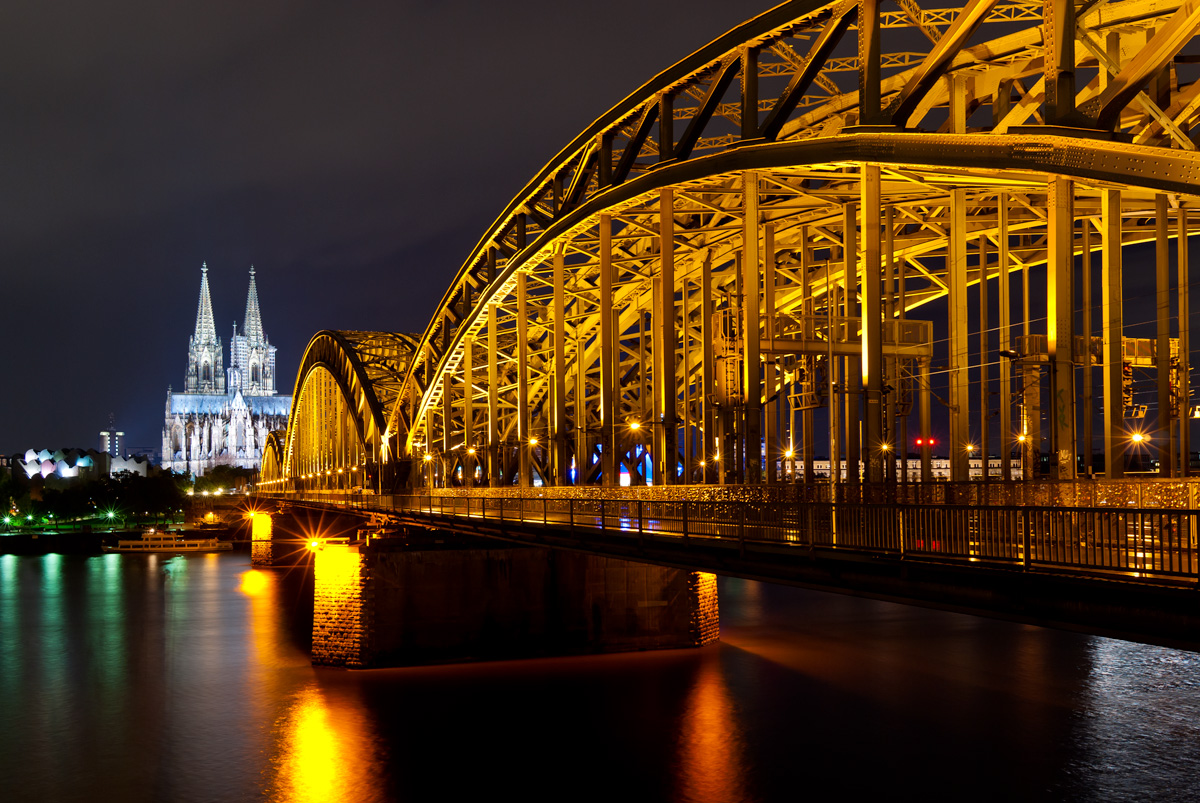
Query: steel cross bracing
{"x": 761, "y": 237}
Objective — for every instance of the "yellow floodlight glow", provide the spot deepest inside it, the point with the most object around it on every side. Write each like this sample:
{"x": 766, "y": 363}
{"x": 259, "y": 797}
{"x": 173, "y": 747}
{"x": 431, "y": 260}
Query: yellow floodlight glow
{"x": 1021, "y": 438}
{"x": 533, "y": 441}
{"x": 427, "y": 458}
{"x": 635, "y": 425}
{"x": 471, "y": 450}
{"x": 1138, "y": 437}
{"x": 314, "y": 545}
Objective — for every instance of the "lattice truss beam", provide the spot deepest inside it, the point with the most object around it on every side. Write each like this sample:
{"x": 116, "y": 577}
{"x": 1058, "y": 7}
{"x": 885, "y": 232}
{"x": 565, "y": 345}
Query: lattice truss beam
{"x": 736, "y": 179}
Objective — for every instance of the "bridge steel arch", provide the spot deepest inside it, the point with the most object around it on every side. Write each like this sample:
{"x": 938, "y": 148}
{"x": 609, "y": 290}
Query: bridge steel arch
{"x": 338, "y": 435}
{"x": 271, "y": 472}
{"x": 778, "y": 234}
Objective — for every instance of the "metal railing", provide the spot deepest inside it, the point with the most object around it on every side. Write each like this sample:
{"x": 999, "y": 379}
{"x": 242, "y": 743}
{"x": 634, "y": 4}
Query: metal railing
{"x": 1141, "y": 544}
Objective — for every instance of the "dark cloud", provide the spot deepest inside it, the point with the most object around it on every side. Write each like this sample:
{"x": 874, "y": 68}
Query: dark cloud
{"x": 352, "y": 152}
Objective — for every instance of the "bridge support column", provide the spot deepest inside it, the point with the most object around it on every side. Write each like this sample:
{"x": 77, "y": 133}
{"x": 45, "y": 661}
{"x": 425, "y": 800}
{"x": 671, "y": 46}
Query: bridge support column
{"x": 852, "y": 371}
{"x": 774, "y": 391}
{"x": 524, "y": 447}
{"x": 1031, "y": 425}
{"x": 609, "y": 460}
{"x": 751, "y": 329}
{"x": 1060, "y": 323}
{"x": 560, "y": 463}
{"x": 384, "y": 603}
{"x": 495, "y": 469}
{"x": 985, "y": 380}
{"x": 1114, "y": 329}
{"x": 582, "y": 445}
{"x": 666, "y": 453}
{"x": 872, "y": 321}
{"x": 1162, "y": 361}
{"x": 956, "y": 279}
{"x": 469, "y": 448}
{"x": 1006, "y": 397}
{"x": 1184, "y": 389}
{"x": 707, "y": 437}
{"x": 925, "y": 422}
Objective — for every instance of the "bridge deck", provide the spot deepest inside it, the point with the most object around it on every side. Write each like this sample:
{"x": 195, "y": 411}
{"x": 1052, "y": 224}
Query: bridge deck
{"x": 1131, "y": 573}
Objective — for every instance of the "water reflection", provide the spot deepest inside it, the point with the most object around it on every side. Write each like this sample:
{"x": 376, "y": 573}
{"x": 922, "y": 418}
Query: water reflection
{"x": 324, "y": 750}
{"x": 183, "y": 679}
{"x": 1140, "y": 719}
{"x": 710, "y": 738}
{"x": 320, "y": 741}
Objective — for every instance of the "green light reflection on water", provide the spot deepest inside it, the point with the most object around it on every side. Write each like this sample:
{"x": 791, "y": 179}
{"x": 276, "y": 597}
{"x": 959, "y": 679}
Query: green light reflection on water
{"x": 10, "y": 613}
{"x": 106, "y": 628}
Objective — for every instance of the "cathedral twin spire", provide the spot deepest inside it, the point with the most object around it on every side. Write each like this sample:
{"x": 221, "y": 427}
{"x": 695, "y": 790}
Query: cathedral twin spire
{"x": 252, "y": 357}
{"x": 252, "y": 326}
{"x": 206, "y": 330}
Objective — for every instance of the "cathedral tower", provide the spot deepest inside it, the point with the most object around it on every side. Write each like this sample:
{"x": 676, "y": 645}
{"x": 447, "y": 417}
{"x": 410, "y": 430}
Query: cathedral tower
{"x": 223, "y": 418}
{"x": 251, "y": 355}
{"x": 205, "y": 373}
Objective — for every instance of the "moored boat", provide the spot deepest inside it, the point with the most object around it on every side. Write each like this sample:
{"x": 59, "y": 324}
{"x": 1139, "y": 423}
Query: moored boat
{"x": 166, "y": 541}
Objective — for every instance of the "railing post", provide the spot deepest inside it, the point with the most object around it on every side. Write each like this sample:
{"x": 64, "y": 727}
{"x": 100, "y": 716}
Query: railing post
{"x": 571, "y": 513}
{"x": 1025, "y": 539}
{"x": 640, "y": 524}
{"x": 685, "y": 520}
{"x": 742, "y": 530}
{"x": 544, "y": 518}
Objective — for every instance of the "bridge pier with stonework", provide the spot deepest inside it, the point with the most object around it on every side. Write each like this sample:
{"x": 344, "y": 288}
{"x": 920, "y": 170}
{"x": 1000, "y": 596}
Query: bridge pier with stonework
{"x": 910, "y": 321}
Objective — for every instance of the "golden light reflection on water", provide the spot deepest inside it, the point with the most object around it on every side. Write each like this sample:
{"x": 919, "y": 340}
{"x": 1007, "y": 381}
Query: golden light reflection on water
{"x": 321, "y": 742}
{"x": 711, "y": 739}
{"x": 325, "y": 751}
{"x": 254, "y": 583}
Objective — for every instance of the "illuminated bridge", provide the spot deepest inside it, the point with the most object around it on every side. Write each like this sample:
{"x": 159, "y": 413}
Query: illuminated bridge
{"x": 945, "y": 246}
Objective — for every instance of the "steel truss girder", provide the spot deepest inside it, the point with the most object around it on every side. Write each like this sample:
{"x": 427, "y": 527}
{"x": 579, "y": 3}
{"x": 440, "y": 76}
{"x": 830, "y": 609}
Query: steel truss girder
{"x": 580, "y": 183}
{"x": 966, "y": 153}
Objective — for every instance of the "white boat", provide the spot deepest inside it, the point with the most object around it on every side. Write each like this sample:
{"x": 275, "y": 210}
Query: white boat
{"x": 166, "y": 541}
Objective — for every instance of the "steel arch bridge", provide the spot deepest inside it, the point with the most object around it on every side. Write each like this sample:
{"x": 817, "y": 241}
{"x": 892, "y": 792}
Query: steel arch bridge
{"x": 338, "y": 432}
{"x": 758, "y": 255}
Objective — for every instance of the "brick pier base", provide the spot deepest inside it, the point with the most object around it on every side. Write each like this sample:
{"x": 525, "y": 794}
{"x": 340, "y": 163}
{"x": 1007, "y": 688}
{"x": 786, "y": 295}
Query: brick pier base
{"x": 382, "y": 604}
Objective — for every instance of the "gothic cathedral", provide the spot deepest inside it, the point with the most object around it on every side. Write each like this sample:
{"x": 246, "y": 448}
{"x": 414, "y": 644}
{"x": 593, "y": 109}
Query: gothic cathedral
{"x": 224, "y": 415}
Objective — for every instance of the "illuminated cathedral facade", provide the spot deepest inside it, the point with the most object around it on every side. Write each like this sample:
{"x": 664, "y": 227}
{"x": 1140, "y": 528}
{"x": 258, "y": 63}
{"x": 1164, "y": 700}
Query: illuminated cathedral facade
{"x": 223, "y": 415}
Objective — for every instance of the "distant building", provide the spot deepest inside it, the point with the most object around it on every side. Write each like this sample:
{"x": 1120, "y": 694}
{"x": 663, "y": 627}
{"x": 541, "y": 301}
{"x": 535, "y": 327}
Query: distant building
{"x": 112, "y": 441}
{"x": 67, "y": 466}
{"x": 224, "y": 415}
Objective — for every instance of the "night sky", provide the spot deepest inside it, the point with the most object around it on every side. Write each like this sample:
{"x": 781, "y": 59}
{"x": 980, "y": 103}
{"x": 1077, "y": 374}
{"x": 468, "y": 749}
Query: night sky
{"x": 353, "y": 153}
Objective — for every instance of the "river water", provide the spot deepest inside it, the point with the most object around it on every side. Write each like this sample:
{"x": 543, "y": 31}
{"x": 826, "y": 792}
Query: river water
{"x": 143, "y": 678}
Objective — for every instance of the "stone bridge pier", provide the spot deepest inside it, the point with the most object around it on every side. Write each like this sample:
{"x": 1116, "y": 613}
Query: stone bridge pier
{"x": 430, "y": 598}
{"x": 419, "y": 596}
